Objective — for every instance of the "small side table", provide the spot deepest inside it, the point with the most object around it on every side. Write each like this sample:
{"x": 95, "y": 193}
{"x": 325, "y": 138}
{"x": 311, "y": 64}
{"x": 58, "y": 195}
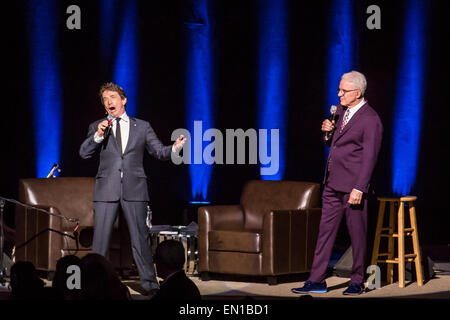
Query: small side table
{"x": 186, "y": 235}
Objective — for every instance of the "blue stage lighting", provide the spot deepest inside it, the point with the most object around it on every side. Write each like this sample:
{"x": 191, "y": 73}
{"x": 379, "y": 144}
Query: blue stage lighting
{"x": 342, "y": 44}
{"x": 45, "y": 83}
{"x": 409, "y": 99}
{"x": 272, "y": 74}
{"x": 199, "y": 202}
{"x": 126, "y": 67}
{"x": 108, "y": 18}
{"x": 199, "y": 91}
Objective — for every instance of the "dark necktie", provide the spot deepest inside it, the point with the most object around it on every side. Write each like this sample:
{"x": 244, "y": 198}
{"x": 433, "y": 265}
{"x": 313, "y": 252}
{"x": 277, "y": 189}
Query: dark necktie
{"x": 344, "y": 122}
{"x": 118, "y": 135}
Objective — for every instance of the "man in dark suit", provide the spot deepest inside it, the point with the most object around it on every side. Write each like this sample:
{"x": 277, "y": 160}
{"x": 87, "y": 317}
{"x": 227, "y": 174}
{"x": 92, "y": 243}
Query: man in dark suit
{"x": 121, "y": 180}
{"x": 169, "y": 260}
{"x": 354, "y": 141}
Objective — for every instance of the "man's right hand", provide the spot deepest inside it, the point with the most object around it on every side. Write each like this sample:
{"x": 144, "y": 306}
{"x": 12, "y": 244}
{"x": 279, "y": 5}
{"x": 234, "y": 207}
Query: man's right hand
{"x": 101, "y": 128}
{"x": 328, "y": 125}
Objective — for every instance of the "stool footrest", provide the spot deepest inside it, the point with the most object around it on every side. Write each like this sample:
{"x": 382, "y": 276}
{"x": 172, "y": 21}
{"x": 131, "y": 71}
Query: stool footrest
{"x": 395, "y": 235}
{"x": 389, "y": 261}
{"x": 408, "y": 257}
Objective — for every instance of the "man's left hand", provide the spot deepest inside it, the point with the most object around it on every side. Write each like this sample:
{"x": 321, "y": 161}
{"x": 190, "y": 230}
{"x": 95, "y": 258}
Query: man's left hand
{"x": 355, "y": 197}
{"x": 178, "y": 144}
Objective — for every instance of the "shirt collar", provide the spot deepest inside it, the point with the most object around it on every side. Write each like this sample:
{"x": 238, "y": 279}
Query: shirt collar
{"x": 357, "y": 107}
{"x": 124, "y": 117}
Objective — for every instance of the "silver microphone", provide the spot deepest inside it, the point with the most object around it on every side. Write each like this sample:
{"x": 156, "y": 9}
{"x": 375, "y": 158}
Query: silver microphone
{"x": 333, "y": 110}
{"x": 52, "y": 171}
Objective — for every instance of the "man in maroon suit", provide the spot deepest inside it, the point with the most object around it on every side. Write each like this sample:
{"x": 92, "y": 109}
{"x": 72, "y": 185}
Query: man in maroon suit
{"x": 354, "y": 140}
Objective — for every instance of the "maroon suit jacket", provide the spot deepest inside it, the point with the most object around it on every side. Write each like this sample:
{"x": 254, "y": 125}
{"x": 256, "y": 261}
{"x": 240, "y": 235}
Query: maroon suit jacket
{"x": 353, "y": 153}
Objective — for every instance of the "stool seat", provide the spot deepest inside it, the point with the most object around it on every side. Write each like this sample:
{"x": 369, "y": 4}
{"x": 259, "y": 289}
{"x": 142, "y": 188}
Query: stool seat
{"x": 388, "y": 232}
{"x": 405, "y": 198}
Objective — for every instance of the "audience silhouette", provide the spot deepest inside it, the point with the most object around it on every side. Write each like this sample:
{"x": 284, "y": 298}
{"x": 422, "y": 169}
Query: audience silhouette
{"x": 61, "y": 276}
{"x": 169, "y": 259}
{"x": 100, "y": 280}
{"x": 26, "y": 284}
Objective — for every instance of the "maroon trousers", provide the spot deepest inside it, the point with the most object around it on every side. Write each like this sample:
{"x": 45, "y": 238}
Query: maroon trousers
{"x": 334, "y": 206}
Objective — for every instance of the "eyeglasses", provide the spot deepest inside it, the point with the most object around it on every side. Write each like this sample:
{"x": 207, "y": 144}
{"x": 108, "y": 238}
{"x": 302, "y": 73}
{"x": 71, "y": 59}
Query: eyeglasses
{"x": 345, "y": 91}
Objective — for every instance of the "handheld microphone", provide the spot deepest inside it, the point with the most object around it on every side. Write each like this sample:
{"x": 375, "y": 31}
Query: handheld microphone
{"x": 76, "y": 235}
{"x": 55, "y": 167}
{"x": 110, "y": 118}
{"x": 333, "y": 110}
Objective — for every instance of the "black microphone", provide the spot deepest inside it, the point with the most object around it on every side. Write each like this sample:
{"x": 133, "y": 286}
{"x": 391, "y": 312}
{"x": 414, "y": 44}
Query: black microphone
{"x": 333, "y": 110}
{"x": 110, "y": 118}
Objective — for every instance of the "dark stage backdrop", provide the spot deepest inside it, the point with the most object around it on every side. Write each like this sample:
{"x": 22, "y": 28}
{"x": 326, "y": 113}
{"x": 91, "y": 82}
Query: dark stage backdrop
{"x": 161, "y": 97}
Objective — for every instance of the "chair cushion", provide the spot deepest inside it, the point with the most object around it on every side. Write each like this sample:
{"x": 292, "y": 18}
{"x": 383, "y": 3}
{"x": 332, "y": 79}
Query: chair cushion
{"x": 238, "y": 241}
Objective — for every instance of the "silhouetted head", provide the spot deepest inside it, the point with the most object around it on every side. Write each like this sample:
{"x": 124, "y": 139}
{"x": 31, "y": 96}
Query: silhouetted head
{"x": 169, "y": 257}
{"x": 62, "y": 273}
{"x": 100, "y": 280}
{"x": 25, "y": 282}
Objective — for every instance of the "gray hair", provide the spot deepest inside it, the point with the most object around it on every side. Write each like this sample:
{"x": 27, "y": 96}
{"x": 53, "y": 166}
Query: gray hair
{"x": 357, "y": 79}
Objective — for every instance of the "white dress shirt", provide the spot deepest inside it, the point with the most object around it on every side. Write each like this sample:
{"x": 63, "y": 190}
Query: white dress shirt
{"x": 124, "y": 130}
{"x": 353, "y": 110}
{"x": 125, "y": 133}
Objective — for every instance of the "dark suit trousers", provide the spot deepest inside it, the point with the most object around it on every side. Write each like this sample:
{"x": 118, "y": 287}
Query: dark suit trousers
{"x": 135, "y": 213}
{"x": 334, "y": 206}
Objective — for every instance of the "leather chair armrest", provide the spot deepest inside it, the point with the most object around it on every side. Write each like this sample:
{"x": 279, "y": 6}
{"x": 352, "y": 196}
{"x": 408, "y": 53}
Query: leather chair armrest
{"x": 211, "y": 218}
{"x": 275, "y": 241}
{"x": 289, "y": 238}
{"x": 39, "y": 236}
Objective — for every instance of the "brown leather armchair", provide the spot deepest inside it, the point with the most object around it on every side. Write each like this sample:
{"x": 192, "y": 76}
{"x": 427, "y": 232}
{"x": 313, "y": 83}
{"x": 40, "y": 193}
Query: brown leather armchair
{"x": 43, "y": 239}
{"x": 272, "y": 232}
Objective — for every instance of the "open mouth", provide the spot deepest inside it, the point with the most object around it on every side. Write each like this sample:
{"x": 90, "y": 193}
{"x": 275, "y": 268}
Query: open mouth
{"x": 112, "y": 108}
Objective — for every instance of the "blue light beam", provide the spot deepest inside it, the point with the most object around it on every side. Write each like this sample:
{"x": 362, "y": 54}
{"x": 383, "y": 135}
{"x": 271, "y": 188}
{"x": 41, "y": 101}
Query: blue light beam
{"x": 199, "y": 90}
{"x": 342, "y": 44}
{"x": 409, "y": 99}
{"x": 272, "y": 74}
{"x": 45, "y": 83}
{"x": 126, "y": 68}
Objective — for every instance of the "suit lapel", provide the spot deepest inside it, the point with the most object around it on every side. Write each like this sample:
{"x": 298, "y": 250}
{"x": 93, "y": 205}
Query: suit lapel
{"x": 131, "y": 134}
{"x": 352, "y": 121}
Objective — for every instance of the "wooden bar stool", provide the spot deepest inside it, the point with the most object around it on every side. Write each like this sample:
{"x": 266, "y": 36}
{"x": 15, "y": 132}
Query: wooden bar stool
{"x": 389, "y": 233}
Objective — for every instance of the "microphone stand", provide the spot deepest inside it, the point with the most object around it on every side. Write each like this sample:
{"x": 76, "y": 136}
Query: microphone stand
{"x": 2, "y": 205}
{"x": 2, "y": 235}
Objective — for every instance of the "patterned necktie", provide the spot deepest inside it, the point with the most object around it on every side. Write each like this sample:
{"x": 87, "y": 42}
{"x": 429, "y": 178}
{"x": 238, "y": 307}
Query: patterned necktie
{"x": 118, "y": 134}
{"x": 346, "y": 117}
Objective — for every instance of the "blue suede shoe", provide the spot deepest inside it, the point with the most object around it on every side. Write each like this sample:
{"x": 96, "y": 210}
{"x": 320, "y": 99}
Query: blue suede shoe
{"x": 314, "y": 287}
{"x": 354, "y": 289}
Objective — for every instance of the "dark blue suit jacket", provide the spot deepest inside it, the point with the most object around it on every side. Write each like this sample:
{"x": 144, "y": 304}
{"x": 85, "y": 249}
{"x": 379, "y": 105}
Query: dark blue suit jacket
{"x": 134, "y": 182}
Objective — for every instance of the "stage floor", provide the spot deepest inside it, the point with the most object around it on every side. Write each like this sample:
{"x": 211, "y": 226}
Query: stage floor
{"x": 436, "y": 288}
